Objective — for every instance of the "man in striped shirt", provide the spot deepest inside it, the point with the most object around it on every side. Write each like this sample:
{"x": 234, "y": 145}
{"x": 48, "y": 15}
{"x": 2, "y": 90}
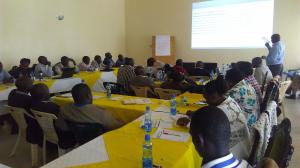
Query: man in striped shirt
{"x": 210, "y": 131}
{"x": 126, "y": 73}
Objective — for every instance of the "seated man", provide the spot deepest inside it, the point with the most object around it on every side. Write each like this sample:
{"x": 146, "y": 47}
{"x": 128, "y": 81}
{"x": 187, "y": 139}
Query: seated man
{"x": 43, "y": 68}
{"x": 108, "y": 61}
{"x": 20, "y": 98}
{"x": 120, "y": 61}
{"x": 247, "y": 69}
{"x": 142, "y": 80}
{"x": 97, "y": 62}
{"x": 261, "y": 69}
{"x": 40, "y": 102}
{"x": 210, "y": 131}
{"x": 179, "y": 67}
{"x": 85, "y": 64}
{"x": 126, "y": 73}
{"x": 23, "y": 70}
{"x": 65, "y": 62}
{"x": 176, "y": 81}
{"x": 5, "y": 77}
{"x": 82, "y": 110}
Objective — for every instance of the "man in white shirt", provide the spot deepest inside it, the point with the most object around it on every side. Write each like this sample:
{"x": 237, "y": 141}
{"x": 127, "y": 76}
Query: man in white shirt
{"x": 276, "y": 55}
{"x": 43, "y": 67}
{"x": 261, "y": 70}
{"x": 5, "y": 77}
{"x": 210, "y": 131}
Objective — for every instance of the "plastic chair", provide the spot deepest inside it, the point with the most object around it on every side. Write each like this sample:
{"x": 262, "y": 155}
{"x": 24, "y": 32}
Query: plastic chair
{"x": 272, "y": 94}
{"x": 264, "y": 82}
{"x": 18, "y": 115}
{"x": 85, "y": 132}
{"x": 282, "y": 89}
{"x": 166, "y": 93}
{"x": 141, "y": 91}
{"x": 46, "y": 121}
{"x": 280, "y": 146}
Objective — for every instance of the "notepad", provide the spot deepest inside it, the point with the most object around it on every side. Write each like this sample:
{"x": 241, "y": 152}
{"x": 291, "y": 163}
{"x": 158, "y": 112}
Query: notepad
{"x": 136, "y": 101}
{"x": 171, "y": 135}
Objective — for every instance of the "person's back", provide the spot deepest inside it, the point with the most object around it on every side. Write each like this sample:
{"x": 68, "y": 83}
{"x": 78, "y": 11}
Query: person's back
{"x": 141, "y": 79}
{"x": 176, "y": 82}
{"x": 23, "y": 70}
{"x": 210, "y": 131}
{"x": 126, "y": 73}
{"x": 261, "y": 69}
{"x": 82, "y": 110}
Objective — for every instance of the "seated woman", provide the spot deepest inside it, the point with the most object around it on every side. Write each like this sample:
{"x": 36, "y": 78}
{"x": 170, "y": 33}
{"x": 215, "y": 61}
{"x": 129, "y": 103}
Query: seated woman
{"x": 244, "y": 94}
{"x": 176, "y": 81}
{"x": 214, "y": 93}
{"x": 40, "y": 102}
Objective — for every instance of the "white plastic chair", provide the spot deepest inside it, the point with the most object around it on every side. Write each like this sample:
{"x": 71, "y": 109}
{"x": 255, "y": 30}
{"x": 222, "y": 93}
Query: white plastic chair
{"x": 282, "y": 89}
{"x": 46, "y": 121}
{"x": 18, "y": 115}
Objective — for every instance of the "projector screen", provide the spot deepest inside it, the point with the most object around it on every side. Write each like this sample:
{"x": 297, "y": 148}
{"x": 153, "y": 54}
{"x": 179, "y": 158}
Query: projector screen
{"x": 231, "y": 23}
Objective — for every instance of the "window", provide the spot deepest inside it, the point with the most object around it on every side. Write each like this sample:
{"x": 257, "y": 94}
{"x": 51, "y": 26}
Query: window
{"x": 231, "y": 23}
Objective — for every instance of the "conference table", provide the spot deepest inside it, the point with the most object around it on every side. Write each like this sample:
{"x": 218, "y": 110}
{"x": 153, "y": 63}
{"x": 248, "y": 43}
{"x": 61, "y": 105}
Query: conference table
{"x": 93, "y": 79}
{"x": 123, "y": 147}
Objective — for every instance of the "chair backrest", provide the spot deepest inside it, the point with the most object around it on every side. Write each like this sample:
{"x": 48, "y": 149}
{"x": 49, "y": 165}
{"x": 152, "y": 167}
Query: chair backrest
{"x": 264, "y": 82}
{"x": 46, "y": 121}
{"x": 18, "y": 115}
{"x": 84, "y": 132}
{"x": 280, "y": 146}
{"x": 140, "y": 91}
{"x": 115, "y": 88}
{"x": 272, "y": 93}
{"x": 166, "y": 93}
{"x": 283, "y": 88}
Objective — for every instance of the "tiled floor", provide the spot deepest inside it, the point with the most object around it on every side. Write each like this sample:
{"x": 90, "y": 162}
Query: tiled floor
{"x": 22, "y": 156}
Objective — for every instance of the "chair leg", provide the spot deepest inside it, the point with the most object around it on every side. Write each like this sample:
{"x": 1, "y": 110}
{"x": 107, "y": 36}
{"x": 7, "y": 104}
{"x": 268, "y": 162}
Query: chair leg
{"x": 44, "y": 151}
{"x": 16, "y": 144}
{"x": 34, "y": 155}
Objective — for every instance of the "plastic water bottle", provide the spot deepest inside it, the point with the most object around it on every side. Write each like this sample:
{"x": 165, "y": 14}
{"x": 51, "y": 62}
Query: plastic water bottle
{"x": 147, "y": 152}
{"x": 40, "y": 75}
{"x": 173, "y": 109}
{"x": 184, "y": 100}
{"x": 108, "y": 91}
{"x": 32, "y": 76}
{"x": 147, "y": 120}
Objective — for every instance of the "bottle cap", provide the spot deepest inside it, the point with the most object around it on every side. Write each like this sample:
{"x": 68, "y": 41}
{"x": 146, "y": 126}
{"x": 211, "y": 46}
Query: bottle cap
{"x": 147, "y": 137}
{"x": 147, "y": 108}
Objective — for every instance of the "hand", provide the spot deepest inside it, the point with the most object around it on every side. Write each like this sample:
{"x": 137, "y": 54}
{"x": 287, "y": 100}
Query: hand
{"x": 189, "y": 113}
{"x": 267, "y": 45}
{"x": 184, "y": 121}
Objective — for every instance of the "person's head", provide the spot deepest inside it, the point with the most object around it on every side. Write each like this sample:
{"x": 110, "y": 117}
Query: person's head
{"x": 139, "y": 70}
{"x": 179, "y": 62}
{"x": 120, "y": 57}
{"x": 86, "y": 60}
{"x": 64, "y": 61}
{"x": 214, "y": 91}
{"x": 256, "y": 62}
{"x": 129, "y": 61}
{"x": 200, "y": 64}
{"x": 275, "y": 38}
{"x": 24, "y": 63}
{"x": 43, "y": 60}
{"x": 210, "y": 131}
{"x": 108, "y": 55}
{"x": 177, "y": 77}
{"x": 40, "y": 92}
{"x": 167, "y": 68}
{"x": 233, "y": 77}
{"x": 24, "y": 84}
{"x": 82, "y": 94}
{"x": 1, "y": 66}
{"x": 150, "y": 62}
{"x": 245, "y": 67}
{"x": 98, "y": 59}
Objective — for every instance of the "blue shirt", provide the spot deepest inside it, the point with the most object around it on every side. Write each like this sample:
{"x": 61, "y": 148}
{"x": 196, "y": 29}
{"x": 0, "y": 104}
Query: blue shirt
{"x": 4, "y": 76}
{"x": 228, "y": 161}
{"x": 276, "y": 54}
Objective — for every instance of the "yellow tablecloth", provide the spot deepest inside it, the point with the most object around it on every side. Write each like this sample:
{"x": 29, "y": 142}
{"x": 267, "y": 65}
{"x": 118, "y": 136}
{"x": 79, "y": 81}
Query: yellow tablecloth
{"x": 124, "y": 147}
{"x": 128, "y": 113}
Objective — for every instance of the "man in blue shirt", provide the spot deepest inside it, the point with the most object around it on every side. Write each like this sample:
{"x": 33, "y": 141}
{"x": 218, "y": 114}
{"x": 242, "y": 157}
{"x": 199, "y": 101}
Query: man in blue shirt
{"x": 276, "y": 55}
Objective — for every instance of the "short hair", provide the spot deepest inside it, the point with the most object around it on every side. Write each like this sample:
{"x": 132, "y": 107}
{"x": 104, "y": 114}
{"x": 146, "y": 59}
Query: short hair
{"x": 24, "y": 61}
{"x": 24, "y": 84}
{"x": 86, "y": 58}
{"x": 41, "y": 58}
{"x": 276, "y": 37}
{"x": 256, "y": 62}
{"x": 128, "y": 61}
{"x": 179, "y": 62}
{"x": 245, "y": 67}
{"x": 40, "y": 92}
{"x": 108, "y": 55}
{"x": 218, "y": 86}
{"x": 82, "y": 94}
{"x": 213, "y": 124}
{"x": 150, "y": 62}
{"x": 64, "y": 58}
{"x": 234, "y": 75}
{"x": 139, "y": 70}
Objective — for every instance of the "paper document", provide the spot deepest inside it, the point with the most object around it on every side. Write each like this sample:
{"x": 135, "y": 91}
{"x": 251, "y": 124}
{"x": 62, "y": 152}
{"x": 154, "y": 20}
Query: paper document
{"x": 137, "y": 101}
{"x": 163, "y": 45}
{"x": 171, "y": 135}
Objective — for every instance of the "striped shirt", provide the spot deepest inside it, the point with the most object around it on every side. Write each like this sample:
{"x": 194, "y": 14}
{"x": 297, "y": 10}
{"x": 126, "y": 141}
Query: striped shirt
{"x": 253, "y": 82}
{"x": 125, "y": 75}
{"x": 228, "y": 161}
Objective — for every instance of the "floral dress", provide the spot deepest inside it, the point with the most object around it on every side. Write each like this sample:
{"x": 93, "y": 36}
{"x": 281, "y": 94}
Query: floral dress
{"x": 244, "y": 94}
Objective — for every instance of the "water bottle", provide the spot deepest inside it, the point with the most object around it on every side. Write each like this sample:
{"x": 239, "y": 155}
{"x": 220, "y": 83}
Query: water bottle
{"x": 40, "y": 75}
{"x": 147, "y": 152}
{"x": 147, "y": 120}
{"x": 173, "y": 105}
{"x": 184, "y": 100}
{"x": 32, "y": 76}
{"x": 108, "y": 91}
